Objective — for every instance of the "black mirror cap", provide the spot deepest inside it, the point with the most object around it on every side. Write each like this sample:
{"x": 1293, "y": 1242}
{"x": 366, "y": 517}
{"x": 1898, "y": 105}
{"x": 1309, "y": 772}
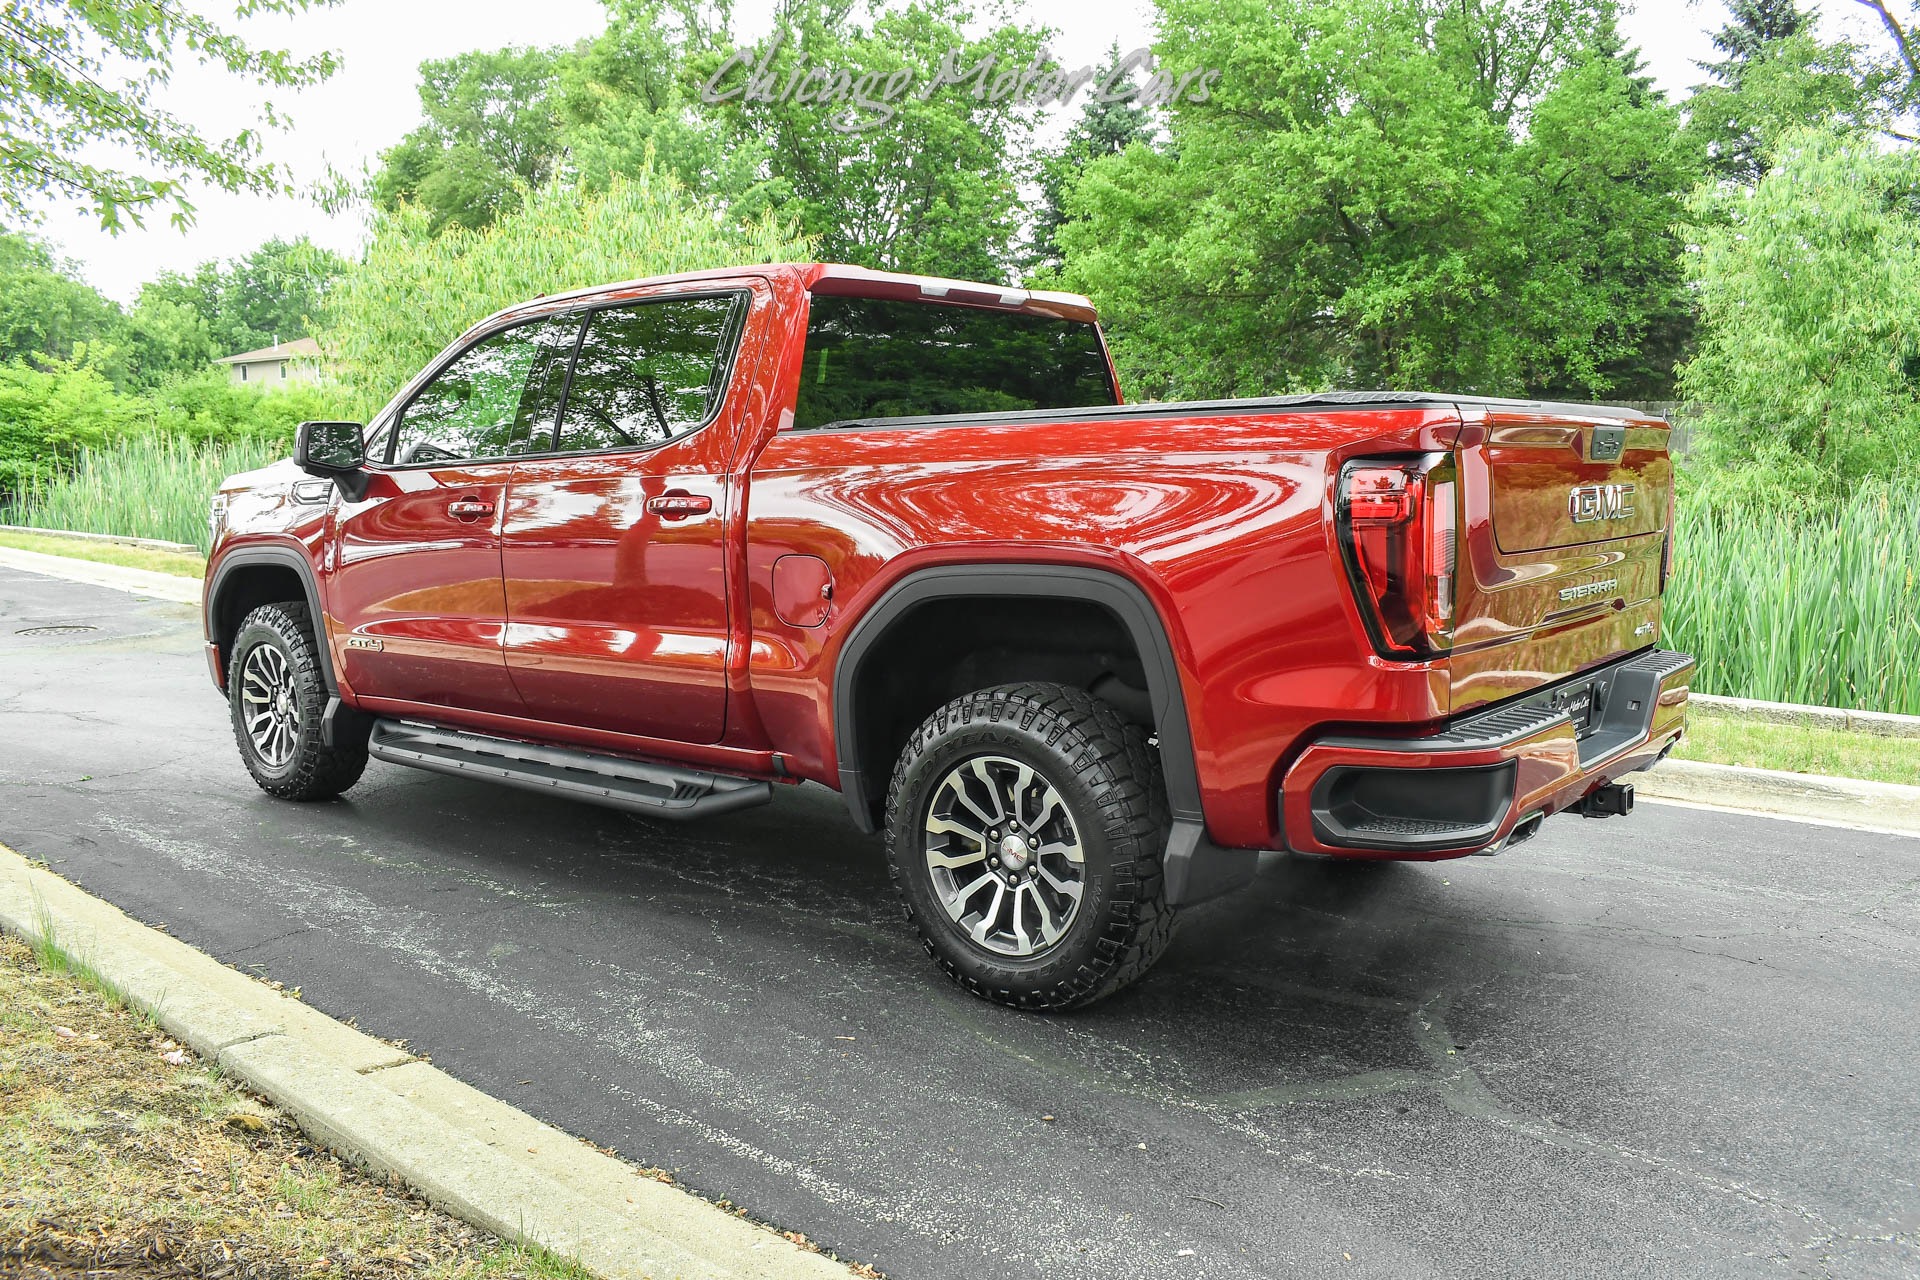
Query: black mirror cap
{"x": 334, "y": 451}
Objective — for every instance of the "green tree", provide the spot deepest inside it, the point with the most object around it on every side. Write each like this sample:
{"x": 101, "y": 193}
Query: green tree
{"x": 415, "y": 291}
{"x": 1788, "y": 83}
{"x": 629, "y": 100}
{"x": 1809, "y": 284}
{"x": 79, "y": 81}
{"x": 1755, "y": 25}
{"x": 274, "y": 294}
{"x": 1106, "y": 127}
{"x": 934, "y": 188}
{"x": 164, "y": 341}
{"x": 46, "y": 309}
{"x": 1386, "y": 194}
{"x": 490, "y": 133}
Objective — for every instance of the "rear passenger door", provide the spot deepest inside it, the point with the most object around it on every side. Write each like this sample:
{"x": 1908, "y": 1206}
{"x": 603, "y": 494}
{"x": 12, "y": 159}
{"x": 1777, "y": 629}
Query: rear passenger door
{"x": 614, "y": 549}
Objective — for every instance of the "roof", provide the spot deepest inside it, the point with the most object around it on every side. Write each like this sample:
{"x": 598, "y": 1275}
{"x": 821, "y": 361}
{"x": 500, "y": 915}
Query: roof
{"x": 298, "y": 348}
{"x": 831, "y": 278}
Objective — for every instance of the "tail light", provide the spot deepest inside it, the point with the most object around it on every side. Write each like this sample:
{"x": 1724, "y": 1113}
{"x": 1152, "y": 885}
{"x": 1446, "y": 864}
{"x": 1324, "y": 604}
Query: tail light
{"x": 1399, "y": 527}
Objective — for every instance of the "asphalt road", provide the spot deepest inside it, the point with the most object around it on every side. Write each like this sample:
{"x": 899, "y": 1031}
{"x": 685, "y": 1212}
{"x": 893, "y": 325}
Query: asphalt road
{"x": 1684, "y": 1043}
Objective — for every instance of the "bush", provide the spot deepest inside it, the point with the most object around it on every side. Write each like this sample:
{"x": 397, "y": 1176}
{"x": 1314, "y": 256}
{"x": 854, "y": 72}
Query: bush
{"x": 48, "y": 417}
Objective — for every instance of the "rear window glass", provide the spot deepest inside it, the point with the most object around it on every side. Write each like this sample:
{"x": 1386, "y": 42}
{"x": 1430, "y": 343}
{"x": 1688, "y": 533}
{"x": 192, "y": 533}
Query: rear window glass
{"x": 879, "y": 358}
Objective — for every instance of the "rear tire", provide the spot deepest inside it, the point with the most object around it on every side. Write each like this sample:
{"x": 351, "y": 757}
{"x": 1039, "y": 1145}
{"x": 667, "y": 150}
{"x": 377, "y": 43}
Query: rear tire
{"x": 1025, "y": 830}
{"x": 276, "y": 699}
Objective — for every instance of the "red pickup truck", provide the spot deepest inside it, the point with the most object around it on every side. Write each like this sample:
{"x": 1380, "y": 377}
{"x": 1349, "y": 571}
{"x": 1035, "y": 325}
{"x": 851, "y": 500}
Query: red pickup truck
{"x": 666, "y": 545}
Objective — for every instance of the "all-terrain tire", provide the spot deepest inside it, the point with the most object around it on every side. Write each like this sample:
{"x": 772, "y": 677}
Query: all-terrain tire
{"x": 311, "y": 770}
{"x": 1108, "y": 780}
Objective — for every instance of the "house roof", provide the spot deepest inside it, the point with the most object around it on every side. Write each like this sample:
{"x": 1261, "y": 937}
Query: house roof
{"x": 299, "y": 347}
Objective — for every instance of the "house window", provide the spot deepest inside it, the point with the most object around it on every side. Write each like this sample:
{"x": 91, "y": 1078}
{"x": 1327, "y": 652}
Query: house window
{"x": 243, "y": 373}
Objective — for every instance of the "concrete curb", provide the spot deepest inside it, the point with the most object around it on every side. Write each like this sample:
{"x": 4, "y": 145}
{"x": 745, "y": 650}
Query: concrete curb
{"x": 1878, "y": 723}
{"x": 140, "y": 582}
{"x": 474, "y": 1156}
{"x": 1883, "y": 806}
{"x": 149, "y": 544}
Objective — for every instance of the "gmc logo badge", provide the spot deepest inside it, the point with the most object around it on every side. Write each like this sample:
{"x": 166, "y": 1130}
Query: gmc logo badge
{"x": 1592, "y": 503}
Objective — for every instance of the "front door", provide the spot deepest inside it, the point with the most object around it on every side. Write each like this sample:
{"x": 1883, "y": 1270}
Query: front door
{"x": 614, "y": 550}
{"x": 415, "y": 590}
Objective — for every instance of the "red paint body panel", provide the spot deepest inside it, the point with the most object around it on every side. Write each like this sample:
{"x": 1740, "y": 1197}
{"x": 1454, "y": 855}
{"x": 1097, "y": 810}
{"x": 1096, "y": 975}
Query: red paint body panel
{"x": 577, "y": 615}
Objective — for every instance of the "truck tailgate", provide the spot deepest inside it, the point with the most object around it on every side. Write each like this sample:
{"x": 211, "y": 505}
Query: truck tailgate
{"x": 1566, "y": 529}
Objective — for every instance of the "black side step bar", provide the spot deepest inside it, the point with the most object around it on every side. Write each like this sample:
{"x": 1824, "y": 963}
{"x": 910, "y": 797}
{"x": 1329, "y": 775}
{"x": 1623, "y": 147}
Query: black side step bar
{"x": 665, "y": 791}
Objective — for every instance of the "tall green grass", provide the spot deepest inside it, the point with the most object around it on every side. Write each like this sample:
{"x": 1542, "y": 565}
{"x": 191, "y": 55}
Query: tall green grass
{"x": 150, "y": 486}
{"x": 1822, "y": 609}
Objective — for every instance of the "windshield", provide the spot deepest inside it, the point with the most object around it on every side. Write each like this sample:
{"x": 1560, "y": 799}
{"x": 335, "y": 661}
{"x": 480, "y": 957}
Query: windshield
{"x": 881, "y": 358}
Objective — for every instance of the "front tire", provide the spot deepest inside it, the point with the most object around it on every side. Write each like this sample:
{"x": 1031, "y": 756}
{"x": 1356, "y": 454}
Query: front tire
{"x": 1025, "y": 830}
{"x": 276, "y": 699}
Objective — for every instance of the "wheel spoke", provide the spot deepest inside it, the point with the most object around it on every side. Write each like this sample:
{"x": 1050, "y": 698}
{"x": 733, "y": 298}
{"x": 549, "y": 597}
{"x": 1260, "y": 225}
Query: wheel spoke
{"x": 1020, "y": 937}
{"x": 1066, "y": 888}
{"x": 956, "y": 900}
{"x": 950, "y": 825}
{"x": 981, "y": 772}
{"x": 983, "y": 928}
{"x": 1068, "y": 849}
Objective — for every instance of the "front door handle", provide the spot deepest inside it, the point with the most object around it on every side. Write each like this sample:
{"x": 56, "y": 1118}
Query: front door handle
{"x": 678, "y": 504}
{"x": 469, "y": 509}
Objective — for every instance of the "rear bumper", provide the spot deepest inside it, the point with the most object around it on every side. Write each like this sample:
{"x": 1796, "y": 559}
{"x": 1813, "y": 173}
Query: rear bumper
{"x": 1466, "y": 788}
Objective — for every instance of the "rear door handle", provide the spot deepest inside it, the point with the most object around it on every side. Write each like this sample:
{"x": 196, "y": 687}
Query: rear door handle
{"x": 678, "y": 504}
{"x": 469, "y": 509}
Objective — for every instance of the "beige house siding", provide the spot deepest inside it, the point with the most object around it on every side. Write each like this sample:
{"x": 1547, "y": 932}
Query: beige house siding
{"x": 280, "y": 365}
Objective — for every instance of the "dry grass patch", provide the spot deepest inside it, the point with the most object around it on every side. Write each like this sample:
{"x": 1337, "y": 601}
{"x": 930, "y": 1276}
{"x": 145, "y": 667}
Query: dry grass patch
{"x": 121, "y": 1154}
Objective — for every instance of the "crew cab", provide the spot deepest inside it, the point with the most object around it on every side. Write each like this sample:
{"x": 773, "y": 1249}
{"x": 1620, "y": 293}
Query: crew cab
{"x": 673, "y": 544}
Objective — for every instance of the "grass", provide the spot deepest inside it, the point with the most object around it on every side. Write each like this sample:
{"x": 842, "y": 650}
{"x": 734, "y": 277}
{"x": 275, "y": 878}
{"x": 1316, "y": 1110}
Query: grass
{"x": 1835, "y": 753}
{"x": 175, "y": 563}
{"x": 1815, "y": 609}
{"x": 114, "y": 1160}
{"x": 146, "y": 487}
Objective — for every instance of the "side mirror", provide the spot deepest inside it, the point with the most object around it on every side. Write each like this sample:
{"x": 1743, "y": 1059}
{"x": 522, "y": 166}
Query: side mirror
{"x": 334, "y": 451}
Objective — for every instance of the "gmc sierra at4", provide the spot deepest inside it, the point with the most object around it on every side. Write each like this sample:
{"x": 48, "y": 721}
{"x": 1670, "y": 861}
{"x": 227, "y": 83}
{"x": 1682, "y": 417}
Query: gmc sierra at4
{"x": 670, "y": 544}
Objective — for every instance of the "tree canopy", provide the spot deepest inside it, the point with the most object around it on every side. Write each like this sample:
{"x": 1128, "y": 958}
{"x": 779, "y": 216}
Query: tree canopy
{"x": 490, "y": 133}
{"x": 76, "y": 74}
{"x": 1389, "y": 194}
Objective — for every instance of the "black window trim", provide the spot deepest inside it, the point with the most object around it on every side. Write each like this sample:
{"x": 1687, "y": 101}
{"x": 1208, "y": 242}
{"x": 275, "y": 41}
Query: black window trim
{"x": 735, "y": 332}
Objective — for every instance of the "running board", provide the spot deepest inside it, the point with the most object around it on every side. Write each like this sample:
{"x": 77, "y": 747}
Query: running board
{"x": 665, "y": 791}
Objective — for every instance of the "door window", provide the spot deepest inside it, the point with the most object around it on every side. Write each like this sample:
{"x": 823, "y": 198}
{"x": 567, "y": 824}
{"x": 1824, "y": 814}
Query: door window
{"x": 650, "y": 372}
{"x": 497, "y": 399}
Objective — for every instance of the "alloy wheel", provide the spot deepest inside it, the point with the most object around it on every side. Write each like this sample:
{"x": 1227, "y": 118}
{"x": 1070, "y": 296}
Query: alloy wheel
{"x": 1004, "y": 855}
{"x": 270, "y": 704}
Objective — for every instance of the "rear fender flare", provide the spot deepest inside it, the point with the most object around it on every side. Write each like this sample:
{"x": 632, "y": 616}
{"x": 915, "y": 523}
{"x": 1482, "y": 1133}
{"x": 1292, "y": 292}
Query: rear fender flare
{"x": 1195, "y": 867}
